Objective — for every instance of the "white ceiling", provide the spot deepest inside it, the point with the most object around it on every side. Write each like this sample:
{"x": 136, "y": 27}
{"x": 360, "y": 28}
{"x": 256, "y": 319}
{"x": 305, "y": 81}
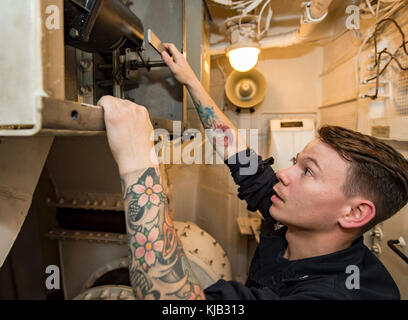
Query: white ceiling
{"x": 286, "y": 16}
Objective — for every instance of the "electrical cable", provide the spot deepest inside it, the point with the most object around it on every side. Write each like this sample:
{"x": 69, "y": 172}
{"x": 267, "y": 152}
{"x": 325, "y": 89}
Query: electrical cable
{"x": 392, "y": 56}
{"x": 378, "y": 8}
{"x": 260, "y": 17}
{"x": 370, "y": 7}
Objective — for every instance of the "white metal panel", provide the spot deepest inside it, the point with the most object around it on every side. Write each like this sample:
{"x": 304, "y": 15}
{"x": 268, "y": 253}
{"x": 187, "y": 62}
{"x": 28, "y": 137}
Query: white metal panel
{"x": 21, "y": 78}
{"x": 287, "y": 138}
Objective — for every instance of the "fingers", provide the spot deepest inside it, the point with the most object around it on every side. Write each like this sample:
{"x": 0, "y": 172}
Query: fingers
{"x": 120, "y": 108}
{"x": 168, "y": 60}
{"x": 177, "y": 55}
{"x": 105, "y": 101}
{"x": 172, "y": 48}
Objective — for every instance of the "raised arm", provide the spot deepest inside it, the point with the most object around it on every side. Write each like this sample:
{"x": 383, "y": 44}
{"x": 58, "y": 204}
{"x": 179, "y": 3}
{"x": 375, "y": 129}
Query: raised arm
{"x": 223, "y": 135}
{"x": 158, "y": 266}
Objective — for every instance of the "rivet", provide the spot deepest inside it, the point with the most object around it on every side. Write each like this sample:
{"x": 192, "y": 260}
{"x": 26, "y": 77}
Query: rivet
{"x": 85, "y": 64}
{"x": 88, "y": 296}
{"x": 74, "y": 33}
{"x": 104, "y": 294}
{"x": 85, "y": 89}
{"x": 122, "y": 294}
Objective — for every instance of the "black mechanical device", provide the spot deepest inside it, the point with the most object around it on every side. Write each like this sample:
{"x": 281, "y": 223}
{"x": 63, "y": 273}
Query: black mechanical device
{"x": 113, "y": 37}
{"x": 101, "y": 25}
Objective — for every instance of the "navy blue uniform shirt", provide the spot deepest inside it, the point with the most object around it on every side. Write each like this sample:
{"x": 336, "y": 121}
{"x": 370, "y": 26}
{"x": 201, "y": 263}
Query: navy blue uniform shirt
{"x": 271, "y": 276}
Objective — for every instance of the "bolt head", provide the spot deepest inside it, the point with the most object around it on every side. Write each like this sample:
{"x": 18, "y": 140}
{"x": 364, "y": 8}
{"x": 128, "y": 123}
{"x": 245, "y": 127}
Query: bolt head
{"x": 74, "y": 33}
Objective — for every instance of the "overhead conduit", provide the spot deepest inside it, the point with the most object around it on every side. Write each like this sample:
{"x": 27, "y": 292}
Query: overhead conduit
{"x": 315, "y": 12}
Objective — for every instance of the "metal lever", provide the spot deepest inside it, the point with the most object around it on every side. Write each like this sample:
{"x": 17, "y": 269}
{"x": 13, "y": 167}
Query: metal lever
{"x": 392, "y": 244}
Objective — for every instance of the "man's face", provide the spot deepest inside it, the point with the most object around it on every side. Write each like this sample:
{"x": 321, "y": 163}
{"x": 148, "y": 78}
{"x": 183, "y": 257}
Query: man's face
{"x": 310, "y": 192}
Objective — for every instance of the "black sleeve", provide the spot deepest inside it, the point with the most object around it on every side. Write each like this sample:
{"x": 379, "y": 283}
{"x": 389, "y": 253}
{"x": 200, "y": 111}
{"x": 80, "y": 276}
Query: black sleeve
{"x": 233, "y": 290}
{"x": 255, "y": 189}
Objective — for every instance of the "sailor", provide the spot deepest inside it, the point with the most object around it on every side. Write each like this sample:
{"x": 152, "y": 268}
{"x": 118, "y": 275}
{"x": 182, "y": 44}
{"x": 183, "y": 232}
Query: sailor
{"x": 342, "y": 184}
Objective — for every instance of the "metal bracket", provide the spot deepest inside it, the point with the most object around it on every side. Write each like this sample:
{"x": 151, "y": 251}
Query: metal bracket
{"x": 392, "y": 244}
{"x": 69, "y": 117}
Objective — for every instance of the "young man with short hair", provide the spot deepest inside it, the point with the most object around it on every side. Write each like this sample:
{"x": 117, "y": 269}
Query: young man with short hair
{"x": 342, "y": 184}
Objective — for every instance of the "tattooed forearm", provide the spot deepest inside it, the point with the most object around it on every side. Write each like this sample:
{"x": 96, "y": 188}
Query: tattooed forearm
{"x": 158, "y": 266}
{"x": 222, "y": 133}
{"x": 220, "y": 130}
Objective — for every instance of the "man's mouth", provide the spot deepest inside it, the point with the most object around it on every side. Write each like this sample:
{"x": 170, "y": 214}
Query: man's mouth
{"x": 276, "y": 197}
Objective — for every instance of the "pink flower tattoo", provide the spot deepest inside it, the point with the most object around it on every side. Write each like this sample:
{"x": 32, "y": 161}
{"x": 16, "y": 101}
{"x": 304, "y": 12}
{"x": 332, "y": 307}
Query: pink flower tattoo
{"x": 147, "y": 192}
{"x": 148, "y": 246}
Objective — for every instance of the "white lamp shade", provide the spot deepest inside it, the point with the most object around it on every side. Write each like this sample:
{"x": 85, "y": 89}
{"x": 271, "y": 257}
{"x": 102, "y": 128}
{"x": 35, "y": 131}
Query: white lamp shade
{"x": 243, "y": 59}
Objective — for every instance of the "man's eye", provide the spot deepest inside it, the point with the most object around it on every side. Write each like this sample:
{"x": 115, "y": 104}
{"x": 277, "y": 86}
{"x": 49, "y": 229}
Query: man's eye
{"x": 308, "y": 172}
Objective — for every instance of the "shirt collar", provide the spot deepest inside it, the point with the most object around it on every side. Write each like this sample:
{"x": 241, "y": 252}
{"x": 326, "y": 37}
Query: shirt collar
{"x": 272, "y": 249}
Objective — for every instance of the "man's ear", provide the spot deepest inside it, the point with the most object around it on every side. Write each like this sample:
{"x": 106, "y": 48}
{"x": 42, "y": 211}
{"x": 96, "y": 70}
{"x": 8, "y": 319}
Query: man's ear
{"x": 359, "y": 213}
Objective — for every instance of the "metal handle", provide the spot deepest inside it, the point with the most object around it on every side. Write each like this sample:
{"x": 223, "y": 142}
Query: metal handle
{"x": 392, "y": 244}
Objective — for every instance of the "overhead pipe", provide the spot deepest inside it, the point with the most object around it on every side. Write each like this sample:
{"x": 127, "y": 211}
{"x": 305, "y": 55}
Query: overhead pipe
{"x": 315, "y": 12}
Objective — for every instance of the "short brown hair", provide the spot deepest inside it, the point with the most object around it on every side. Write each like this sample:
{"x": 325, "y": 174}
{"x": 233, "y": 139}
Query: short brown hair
{"x": 377, "y": 171}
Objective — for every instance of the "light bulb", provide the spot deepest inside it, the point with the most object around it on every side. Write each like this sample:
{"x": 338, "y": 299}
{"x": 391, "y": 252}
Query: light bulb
{"x": 243, "y": 59}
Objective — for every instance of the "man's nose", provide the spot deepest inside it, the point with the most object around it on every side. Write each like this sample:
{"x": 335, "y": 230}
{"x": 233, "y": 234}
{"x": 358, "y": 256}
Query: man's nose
{"x": 283, "y": 176}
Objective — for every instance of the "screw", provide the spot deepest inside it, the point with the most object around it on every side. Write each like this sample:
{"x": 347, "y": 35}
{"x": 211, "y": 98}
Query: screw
{"x": 74, "y": 33}
{"x": 85, "y": 64}
{"x": 85, "y": 89}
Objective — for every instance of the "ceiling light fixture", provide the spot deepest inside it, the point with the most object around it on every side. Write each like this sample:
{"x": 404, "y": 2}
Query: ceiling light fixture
{"x": 244, "y": 50}
{"x": 243, "y": 58}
